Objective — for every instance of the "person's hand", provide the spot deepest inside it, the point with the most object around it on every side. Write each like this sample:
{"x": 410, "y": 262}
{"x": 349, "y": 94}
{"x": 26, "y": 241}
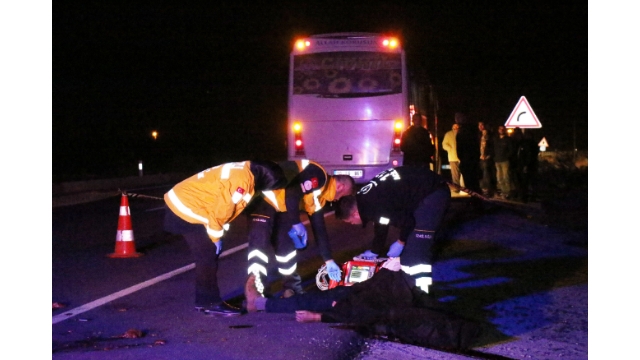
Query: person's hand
{"x": 298, "y": 234}
{"x": 392, "y": 264}
{"x": 395, "y": 249}
{"x": 333, "y": 270}
{"x": 305, "y": 316}
{"x": 218, "y": 247}
{"x": 368, "y": 255}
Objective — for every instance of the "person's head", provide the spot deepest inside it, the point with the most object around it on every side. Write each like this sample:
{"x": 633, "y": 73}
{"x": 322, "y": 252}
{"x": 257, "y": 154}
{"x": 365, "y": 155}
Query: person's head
{"x": 345, "y": 186}
{"x": 416, "y": 120}
{"x": 502, "y": 131}
{"x": 460, "y": 118}
{"x": 517, "y": 133}
{"x": 347, "y": 210}
{"x": 455, "y": 127}
{"x": 481, "y": 126}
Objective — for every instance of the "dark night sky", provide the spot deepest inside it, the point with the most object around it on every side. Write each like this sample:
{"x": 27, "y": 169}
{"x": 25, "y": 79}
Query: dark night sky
{"x": 212, "y": 78}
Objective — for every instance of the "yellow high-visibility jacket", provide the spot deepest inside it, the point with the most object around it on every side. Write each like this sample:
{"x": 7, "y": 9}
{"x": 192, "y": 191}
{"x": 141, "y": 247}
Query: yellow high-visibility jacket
{"x": 216, "y": 196}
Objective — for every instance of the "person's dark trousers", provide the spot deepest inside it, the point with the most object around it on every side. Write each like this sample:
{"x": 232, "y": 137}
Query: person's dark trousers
{"x": 261, "y": 220}
{"x": 284, "y": 249}
{"x": 267, "y": 229}
{"x": 203, "y": 251}
{"x": 471, "y": 175}
{"x": 515, "y": 179}
{"x": 486, "y": 182}
{"x": 317, "y": 301}
{"x": 528, "y": 184}
{"x": 428, "y": 216}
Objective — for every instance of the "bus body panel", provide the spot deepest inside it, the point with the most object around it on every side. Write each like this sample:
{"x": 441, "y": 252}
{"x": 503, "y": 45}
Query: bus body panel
{"x": 345, "y": 142}
{"x": 308, "y": 108}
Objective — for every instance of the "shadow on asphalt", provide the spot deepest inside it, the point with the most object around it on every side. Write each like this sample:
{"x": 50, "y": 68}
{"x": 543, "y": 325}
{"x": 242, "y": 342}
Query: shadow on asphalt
{"x": 498, "y": 274}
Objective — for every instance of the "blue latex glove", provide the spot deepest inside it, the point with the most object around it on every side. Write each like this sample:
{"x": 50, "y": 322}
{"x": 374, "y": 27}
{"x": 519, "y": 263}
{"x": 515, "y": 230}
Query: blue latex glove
{"x": 368, "y": 255}
{"x": 298, "y": 234}
{"x": 333, "y": 270}
{"x": 218, "y": 247}
{"x": 395, "y": 249}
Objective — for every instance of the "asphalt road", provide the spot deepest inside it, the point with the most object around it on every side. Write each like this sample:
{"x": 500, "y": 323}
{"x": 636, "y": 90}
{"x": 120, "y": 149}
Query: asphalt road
{"x": 518, "y": 268}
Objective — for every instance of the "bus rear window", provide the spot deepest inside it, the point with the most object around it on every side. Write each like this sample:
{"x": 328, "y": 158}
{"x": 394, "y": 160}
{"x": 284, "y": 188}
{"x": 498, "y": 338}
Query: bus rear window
{"x": 344, "y": 74}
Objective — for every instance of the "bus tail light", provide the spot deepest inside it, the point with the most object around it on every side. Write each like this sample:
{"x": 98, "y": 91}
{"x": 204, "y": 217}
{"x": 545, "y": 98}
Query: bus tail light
{"x": 397, "y": 136}
{"x": 298, "y": 144}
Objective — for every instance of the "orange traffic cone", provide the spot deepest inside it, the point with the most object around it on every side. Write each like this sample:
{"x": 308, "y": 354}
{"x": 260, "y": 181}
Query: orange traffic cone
{"x": 125, "y": 244}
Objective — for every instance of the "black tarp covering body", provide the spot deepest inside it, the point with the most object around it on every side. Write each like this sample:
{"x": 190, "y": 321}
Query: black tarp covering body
{"x": 387, "y": 305}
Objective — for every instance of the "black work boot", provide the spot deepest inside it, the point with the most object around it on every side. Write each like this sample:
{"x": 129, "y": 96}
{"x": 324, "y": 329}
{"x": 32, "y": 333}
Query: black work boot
{"x": 292, "y": 285}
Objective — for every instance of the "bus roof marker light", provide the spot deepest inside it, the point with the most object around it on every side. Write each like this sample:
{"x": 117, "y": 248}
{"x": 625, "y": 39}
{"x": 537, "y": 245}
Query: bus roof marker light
{"x": 302, "y": 44}
{"x": 391, "y": 43}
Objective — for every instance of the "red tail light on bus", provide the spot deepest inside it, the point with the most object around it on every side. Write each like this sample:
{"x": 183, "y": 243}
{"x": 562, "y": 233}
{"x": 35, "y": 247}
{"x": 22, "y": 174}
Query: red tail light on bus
{"x": 297, "y": 136}
{"x": 397, "y": 135}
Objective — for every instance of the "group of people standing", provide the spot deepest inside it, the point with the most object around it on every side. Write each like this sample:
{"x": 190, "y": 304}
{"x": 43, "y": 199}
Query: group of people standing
{"x": 502, "y": 165}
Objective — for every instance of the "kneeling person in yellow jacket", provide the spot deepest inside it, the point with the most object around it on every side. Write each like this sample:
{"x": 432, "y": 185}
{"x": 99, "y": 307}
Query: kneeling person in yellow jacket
{"x": 201, "y": 207}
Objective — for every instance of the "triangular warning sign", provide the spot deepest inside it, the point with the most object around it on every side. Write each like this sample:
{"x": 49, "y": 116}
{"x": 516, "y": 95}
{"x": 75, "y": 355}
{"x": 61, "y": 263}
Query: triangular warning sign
{"x": 523, "y": 116}
{"x": 543, "y": 143}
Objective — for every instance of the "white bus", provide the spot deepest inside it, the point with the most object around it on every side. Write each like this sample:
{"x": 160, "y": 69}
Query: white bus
{"x": 348, "y": 102}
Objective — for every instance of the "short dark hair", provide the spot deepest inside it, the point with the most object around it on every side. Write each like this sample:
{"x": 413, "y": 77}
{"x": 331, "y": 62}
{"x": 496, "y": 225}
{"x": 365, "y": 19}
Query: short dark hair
{"x": 347, "y": 181}
{"x": 416, "y": 119}
{"x": 346, "y": 206}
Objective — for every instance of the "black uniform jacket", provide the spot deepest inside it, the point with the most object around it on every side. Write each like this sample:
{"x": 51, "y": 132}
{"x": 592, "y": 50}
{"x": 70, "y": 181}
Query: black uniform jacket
{"x": 392, "y": 196}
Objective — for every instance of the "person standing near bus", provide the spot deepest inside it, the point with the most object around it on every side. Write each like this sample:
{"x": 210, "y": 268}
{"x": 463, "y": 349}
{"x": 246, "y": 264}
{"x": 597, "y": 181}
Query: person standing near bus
{"x": 503, "y": 150}
{"x": 309, "y": 188}
{"x": 450, "y": 146}
{"x": 200, "y": 209}
{"x": 486, "y": 160}
{"x": 416, "y": 144}
{"x": 468, "y": 151}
